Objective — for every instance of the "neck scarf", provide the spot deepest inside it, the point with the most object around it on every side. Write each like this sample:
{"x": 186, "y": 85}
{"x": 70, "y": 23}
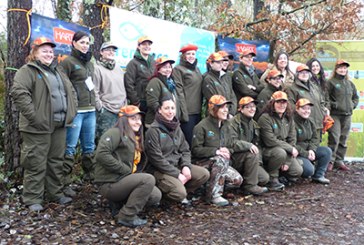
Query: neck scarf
{"x": 170, "y": 125}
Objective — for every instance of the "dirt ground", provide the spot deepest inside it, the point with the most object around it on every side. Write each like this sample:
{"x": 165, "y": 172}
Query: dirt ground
{"x": 306, "y": 213}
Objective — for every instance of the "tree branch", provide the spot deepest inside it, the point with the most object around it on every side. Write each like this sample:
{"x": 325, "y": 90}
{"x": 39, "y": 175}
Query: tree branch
{"x": 310, "y": 37}
{"x": 302, "y": 7}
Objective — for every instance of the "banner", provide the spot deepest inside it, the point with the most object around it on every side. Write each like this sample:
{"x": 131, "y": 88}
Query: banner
{"x": 59, "y": 31}
{"x": 168, "y": 37}
{"x": 353, "y": 52}
{"x": 236, "y": 46}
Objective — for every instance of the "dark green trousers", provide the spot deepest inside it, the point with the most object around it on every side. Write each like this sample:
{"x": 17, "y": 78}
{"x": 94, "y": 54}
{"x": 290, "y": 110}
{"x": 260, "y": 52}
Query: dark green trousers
{"x": 42, "y": 160}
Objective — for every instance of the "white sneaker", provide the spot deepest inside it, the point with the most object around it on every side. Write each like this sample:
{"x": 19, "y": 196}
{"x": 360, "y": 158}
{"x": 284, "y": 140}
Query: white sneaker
{"x": 220, "y": 201}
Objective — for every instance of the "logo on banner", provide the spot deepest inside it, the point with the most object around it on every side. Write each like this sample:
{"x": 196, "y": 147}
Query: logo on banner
{"x": 241, "y": 47}
{"x": 62, "y": 35}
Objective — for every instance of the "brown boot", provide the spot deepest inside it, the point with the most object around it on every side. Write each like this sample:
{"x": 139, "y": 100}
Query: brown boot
{"x": 255, "y": 190}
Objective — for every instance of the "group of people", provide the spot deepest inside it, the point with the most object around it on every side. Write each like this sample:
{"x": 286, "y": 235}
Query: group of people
{"x": 258, "y": 134}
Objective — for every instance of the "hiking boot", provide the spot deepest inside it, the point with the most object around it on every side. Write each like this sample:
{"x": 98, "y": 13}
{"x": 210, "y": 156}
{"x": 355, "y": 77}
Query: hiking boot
{"x": 341, "y": 166}
{"x": 219, "y": 201}
{"x": 255, "y": 190}
{"x": 275, "y": 185}
{"x": 132, "y": 222}
{"x": 35, "y": 207}
{"x": 64, "y": 200}
{"x": 115, "y": 207}
{"x": 68, "y": 191}
{"x": 321, "y": 180}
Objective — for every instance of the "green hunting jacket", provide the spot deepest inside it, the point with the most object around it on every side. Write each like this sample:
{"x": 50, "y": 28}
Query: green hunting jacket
{"x": 156, "y": 90}
{"x": 208, "y": 138}
{"x": 241, "y": 80}
{"x": 277, "y": 132}
{"x": 215, "y": 83}
{"x": 343, "y": 96}
{"x": 189, "y": 77}
{"x": 306, "y": 134}
{"x": 244, "y": 132}
{"x": 311, "y": 91}
{"x": 137, "y": 75}
{"x": 115, "y": 157}
{"x": 31, "y": 93}
{"x": 264, "y": 96}
{"x": 78, "y": 71}
{"x": 168, "y": 151}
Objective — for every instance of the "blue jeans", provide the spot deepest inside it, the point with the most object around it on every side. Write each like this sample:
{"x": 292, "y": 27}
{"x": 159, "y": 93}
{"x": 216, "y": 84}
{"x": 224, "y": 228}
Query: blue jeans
{"x": 83, "y": 128}
{"x": 323, "y": 157}
{"x": 187, "y": 127}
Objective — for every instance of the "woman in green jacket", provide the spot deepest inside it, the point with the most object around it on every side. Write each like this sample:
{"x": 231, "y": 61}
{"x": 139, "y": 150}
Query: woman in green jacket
{"x": 278, "y": 136}
{"x": 189, "y": 76}
{"x": 120, "y": 161}
{"x": 343, "y": 99}
{"x": 211, "y": 149}
{"x": 79, "y": 70}
{"x": 47, "y": 102}
{"x": 308, "y": 144}
{"x": 169, "y": 155}
{"x": 162, "y": 84}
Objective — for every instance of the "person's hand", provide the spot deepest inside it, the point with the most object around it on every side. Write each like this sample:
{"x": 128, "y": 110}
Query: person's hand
{"x": 252, "y": 87}
{"x": 254, "y": 149}
{"x": 311, "y": 155}
{"x": 186, "y": 172}
{"x": 224, "y": 152}
{"x": 284, "y": 167}
{"x": 294, "y": 152}
{"x": 182, "y": 178}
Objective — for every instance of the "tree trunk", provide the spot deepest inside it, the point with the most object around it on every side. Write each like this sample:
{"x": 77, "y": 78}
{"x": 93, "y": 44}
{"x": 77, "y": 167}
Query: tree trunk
{"x": 17, "y": 33}
{"x": 92, "y": 18}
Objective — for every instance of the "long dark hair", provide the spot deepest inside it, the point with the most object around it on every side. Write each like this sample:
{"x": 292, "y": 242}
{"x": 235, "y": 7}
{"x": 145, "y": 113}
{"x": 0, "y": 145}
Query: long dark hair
{"x": 269, "y": 108}
{"x": 79, "y": 35}
{"x": 276, "y": 61}
{"x": 321, "y": 80}
{"x": 125, "y": 130}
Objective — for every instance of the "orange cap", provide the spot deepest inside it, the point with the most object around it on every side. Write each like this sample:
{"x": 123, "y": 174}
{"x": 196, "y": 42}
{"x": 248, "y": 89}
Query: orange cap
{"x": 279, "y": 95}
{"x": 302, "y": 102}
{"x": 162, "y": 60}
{"x": 226, "y": 54}
{"x": 217, "y": 100}
{"x": 342, "y": 62}
{"x": 216, "y": 57}
{"x": 144, "y": 39}
{"x": 129, "y": 111}
{"x": 246, "y": 100}
{"x": 43, "y": 40}
{"x": 274, "y": 73}
{"x": 188, "y": 47}
{"x": 302, "y": 68}
{"x": 247, "y": 52}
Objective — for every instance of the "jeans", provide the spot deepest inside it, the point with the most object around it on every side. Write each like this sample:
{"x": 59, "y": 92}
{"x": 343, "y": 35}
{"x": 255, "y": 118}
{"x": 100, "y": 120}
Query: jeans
{"x": 323, "y": 157}
{"x": 83, "y": 128}
{"x": 187, "y": 127}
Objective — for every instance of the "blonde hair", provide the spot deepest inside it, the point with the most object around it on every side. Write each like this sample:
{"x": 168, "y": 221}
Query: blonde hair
{"x": 31, "y": 56}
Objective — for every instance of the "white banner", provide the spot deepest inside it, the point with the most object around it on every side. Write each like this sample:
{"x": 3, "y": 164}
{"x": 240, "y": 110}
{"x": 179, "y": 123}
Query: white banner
{"x": 168, "y": 37}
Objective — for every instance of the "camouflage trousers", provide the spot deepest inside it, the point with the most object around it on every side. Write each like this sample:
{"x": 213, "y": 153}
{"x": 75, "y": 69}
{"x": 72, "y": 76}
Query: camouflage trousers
{"x": 104, "y": 121}
{"x": 221, "y": 175}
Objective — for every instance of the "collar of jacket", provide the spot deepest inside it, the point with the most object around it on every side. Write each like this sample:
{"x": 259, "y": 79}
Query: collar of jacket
{"x": 243, "y": 68}
{"x": 137, "y": 55}
{"x": 273, "y": 88}
{"x": 215, "y": 121}
{"x": 187, "y": 64}
{"x": 301, "y": 84}
{"x": 339, "y": 77}
{"x": 81, "y": 56}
